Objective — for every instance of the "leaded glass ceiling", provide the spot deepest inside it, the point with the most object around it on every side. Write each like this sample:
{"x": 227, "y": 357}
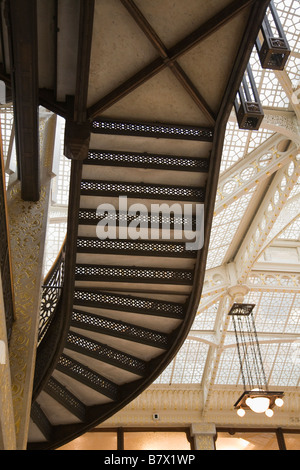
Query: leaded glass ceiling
{"x": 272, "y": 277}
{"x": 274, "y": 280}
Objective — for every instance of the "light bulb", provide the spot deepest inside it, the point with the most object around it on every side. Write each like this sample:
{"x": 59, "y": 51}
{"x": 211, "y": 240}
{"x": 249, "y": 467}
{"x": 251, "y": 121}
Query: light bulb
{"x": 241, "y": 412}
{"x": 269, "y": 413}
{"x": 279, "y": 402}
{"x": 258, "y": 404}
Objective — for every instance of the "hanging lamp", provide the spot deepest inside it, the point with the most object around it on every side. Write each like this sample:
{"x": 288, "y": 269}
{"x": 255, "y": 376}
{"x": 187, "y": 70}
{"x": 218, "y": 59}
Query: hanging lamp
{"x": 256, "y": 397}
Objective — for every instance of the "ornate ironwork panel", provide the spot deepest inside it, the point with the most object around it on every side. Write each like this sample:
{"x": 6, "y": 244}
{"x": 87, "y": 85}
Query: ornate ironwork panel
{"x": 104, "y": 353}
{"x": 92, "y": 322}
{"x": 146, "y": 160}
{"x": 163, "y": 131}
{"x": 91, "y": 217}
{"x": 137, "y": 247}
{"x": 62, "y": 395}
{"x": 142, "y": 190}
{"x": 133, "y": 274}
{"x": 51, "y": 293}
{"x": 128, "y": 303}
{"x": 87, "y": 376}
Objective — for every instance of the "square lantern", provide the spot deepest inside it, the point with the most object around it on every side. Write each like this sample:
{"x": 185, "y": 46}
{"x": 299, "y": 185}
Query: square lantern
{"x": 248, "y": 108}
{"x": 274, "y": 49}
{"x": 256, "y": 397}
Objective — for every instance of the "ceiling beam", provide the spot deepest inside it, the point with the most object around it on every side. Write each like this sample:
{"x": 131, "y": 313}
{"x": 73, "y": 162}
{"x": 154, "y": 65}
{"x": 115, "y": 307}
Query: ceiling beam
{"x": 22, "y": 25}
{"x": 86, "y": 19}
{"x": 159, "y": 64}
{"x": 174, "y": 66}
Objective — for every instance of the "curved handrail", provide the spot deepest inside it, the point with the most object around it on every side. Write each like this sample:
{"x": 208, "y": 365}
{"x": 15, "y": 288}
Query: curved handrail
{"x": 53, "y": 339}
{"x": 5, "y": 253}
{"x": 51, "y": 292}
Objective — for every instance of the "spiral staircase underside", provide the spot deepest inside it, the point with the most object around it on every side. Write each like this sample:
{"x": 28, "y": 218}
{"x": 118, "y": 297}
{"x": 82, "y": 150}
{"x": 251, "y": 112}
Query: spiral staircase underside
{"x": 146, "y": 89}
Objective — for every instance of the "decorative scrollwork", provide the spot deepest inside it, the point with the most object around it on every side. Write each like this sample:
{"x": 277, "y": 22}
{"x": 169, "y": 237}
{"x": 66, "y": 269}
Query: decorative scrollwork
{"x": 51, "y": 292}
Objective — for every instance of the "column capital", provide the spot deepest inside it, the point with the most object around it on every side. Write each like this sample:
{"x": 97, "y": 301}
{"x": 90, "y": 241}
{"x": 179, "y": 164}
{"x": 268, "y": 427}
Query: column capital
{"x": 204, "y": 435}
{"x": 238, "y": 292}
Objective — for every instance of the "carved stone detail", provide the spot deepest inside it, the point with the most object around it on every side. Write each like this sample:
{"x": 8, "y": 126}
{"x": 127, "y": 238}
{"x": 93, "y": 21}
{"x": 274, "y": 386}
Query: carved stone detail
{"x": 27, "y": 225}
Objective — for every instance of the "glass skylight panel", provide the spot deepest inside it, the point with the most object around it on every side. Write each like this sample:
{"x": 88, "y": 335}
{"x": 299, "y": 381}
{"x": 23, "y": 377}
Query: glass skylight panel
{"x": 188, "y": 365}
{"x": 56, "y": 229}
{"x": 6, "y": 119}
{"x": 229, "y": 368}
{"x": 239, "y": 143}
{"x": 293, "y": 69}
{"x": 292, "y": 232}
{"x": 235, "y": 146}
{"x": 56, "y": 233}
{"x": 224, "y": 227}
{"x": 63, "y": 177}
{"x": 289, "y": 13}
{"x": 286, "y": 367}
{"x": 271, "y": 92}
{"x": 272, "y": 311}
{"x": 206, "y": 319}
{"x": 293, "y": 321}
{"x": 166, "y": 376}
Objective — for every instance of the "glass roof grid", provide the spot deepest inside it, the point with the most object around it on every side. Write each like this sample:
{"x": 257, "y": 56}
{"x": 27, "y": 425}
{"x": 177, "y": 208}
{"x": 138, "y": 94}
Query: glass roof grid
{"x": 166, "y": 376}
{"x": 292, "y": 232}
{"x": 272, "y": 311}
{"x": 239, "y": 143}
{"x": 7, "y": 120}
{"x": 269, "y": 353}
{"x": 293, "y": 69}
{"x": 271, "y": 92}
{"x": 289, "y": 13}
{"x": 229, "y": 368}
{"x": 224, "y": 227}
{"x": 55, "y": 236}
{"x": 63, "y": 177}
{"x": 293, "y": 322}
{"x": 286, "y": 367}
{"x": 235, "y": 145}
{"x": 188, "y": 365}
{"x": 283, "y": 371}
{"x": 205, "y": 320}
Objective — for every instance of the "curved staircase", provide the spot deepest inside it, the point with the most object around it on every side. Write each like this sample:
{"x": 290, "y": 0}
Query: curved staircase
{"x": 146, "y": 94}
{"x": 131, "y": 302}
